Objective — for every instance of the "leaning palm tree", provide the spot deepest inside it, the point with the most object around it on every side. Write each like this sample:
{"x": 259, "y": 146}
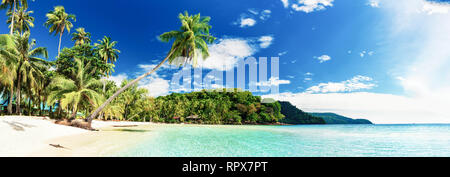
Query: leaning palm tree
{"x": 76, "y": 89}
{"x": 23, "y": 20}
{"x": 27, "y": 62}
{"x": 81, "y": 37}
{"x": 191, "y": 39}
{"x": 12, "y": 5}
{"x": 58, "y": 21}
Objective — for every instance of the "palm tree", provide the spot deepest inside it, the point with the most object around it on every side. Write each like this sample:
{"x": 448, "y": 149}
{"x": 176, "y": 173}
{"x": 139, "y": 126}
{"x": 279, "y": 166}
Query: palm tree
{"x": 81, "y": 37}
{"x": 27, "y": 62}
{"x": 106, "y": 50}
{"x": 22, "y": 20}
{"x": 12, "y": 5}
{"x": 192, "y": 38}
{"x": 7, "y": 72}
{"x": 73, "y": 91}
{"x": 58, "y": 21}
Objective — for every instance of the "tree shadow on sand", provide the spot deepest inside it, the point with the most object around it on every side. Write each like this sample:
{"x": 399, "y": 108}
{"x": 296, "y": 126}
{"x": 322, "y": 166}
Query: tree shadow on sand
{"x": 18, "y": 126}
{"x": 130, "y": 130}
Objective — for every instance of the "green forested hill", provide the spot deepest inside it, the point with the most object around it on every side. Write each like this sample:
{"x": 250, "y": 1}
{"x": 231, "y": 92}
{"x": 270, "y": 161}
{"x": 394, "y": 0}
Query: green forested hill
{"x": 332, "y": 118}
{"x": 215, "y": 107}
{"x": 293, "y": 115}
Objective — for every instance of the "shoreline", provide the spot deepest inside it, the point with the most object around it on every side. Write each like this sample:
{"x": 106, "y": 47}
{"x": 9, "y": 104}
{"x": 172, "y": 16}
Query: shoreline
{"x": 23, "y": 136}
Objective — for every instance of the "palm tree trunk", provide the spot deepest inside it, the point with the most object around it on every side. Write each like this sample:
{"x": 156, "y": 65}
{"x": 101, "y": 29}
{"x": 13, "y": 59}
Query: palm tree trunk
{"x": 99, "y": 109}
{"x": 11, "y": 97}
{"x": 18, "y": 96}
{"x": 74, "y": 113}
{"x": 12, "y": 22}
{"x": 59, "y": 45}
{"x": 29, "y": 105}
{"x": 59, "y": 109}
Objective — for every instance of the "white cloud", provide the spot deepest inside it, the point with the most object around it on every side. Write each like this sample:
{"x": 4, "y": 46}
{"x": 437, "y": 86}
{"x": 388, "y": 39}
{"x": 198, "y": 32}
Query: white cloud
{"x": 247, "y": 22}
{"x": 117, "y": 78}
{"x": 265, "y": 14}
{"x": 266, "y": 41}
{"x": 285, "y": 3}
{"x": 249, "y": 18}
{"x": 282, "y": 53}
{"x": 374, "y": 3}
{"x": 435, "y": 8}
{"x": 362, "y": 54}
{"x": 323, "y": 58}
{"x": 308, "y": 6}
{"x": 156, "y": 86}
{"x": 356, "y": 83}
{"x": 273, "y": 81}
{"x": 378, "y": 108}
{"x": 225, "y": 54}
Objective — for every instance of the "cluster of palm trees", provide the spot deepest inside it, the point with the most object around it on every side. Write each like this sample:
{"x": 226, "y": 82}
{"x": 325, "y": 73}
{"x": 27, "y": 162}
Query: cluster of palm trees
{"x": 28, "y": 78}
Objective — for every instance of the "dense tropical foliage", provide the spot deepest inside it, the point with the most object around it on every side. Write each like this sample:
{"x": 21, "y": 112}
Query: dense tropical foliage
{"x": 191, "y": 39}
{"x": 75, "y": 85}
{"x": 297, "y": 116}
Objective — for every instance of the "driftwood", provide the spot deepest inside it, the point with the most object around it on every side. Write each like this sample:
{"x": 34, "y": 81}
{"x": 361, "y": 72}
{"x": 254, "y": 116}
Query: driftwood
{"x": 57, "y": 146}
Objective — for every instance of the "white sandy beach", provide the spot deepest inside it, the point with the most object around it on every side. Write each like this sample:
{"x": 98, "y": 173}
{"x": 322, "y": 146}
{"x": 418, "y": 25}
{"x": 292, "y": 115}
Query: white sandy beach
{"x": 31, "y": 136}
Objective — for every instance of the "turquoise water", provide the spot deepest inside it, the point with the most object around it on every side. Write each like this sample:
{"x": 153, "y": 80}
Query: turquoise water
{"x": 294, "y": 141}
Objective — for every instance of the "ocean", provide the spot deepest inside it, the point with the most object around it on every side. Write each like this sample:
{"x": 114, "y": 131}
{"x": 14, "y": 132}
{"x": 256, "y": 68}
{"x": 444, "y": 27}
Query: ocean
{"x": 415, "y": 140}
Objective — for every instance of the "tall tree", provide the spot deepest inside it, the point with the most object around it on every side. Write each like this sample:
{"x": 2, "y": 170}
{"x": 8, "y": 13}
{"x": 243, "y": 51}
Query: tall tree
{"x": 58, "y": 21}
{"x": 8, "y": 71}
{"x": 76, "y": 89}
{"x": 192, "y": 38}
{"x": 27, "y": 62}
{"x": 106, "y": 50}
{"x": 81, "y": 37}
{"x": 12, "y": 5}
{"x": 23, "y": 20}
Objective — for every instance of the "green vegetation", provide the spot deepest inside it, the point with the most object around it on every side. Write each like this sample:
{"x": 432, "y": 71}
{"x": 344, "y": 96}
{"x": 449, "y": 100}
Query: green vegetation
{"x": 215, "y": 107}
{"x": 74, "y": 84}
{"x": 297, "y": 116}
{"x": 58, "y": 21}
{"x": 191, "y": 39}
{"x": 332, "y": 118}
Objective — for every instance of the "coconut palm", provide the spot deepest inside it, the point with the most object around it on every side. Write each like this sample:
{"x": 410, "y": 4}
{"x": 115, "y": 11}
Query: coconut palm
{"x": 76, "y": 89}
{"x": 12, "y": 5}
{"x": 58, "y": 21}
{"x": 106, "y": 50}
{"x": 27, "y": 62}
{"x": 81, "y": 37}
{"x": 23, "y": 20}
{"x": 191, "y": 39}
{"x": 7, "y": 71}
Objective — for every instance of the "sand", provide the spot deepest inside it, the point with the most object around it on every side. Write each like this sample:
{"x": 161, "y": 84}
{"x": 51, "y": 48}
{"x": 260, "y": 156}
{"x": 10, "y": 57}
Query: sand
{"x": 22, "y": 136}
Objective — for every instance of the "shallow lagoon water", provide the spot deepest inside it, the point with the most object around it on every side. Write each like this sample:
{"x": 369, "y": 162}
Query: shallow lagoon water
{"x": 293, "y": 141}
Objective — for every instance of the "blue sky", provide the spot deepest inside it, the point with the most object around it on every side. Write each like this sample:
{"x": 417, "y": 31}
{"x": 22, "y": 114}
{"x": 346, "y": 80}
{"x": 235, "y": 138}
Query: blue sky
{"x": 376, "y": 59}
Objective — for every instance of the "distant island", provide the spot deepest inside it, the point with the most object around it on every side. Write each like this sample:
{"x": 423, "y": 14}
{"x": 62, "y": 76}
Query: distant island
{"x": 294, "y": 115}
{"x": 332, "y": 118}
